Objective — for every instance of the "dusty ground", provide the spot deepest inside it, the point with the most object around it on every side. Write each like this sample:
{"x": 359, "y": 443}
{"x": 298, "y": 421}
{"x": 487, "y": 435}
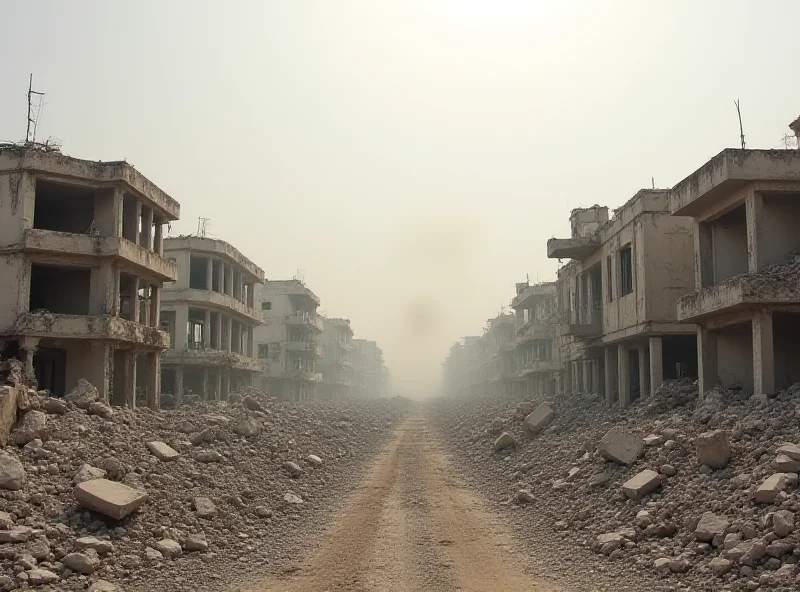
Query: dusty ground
{"x": 412, "y": 525}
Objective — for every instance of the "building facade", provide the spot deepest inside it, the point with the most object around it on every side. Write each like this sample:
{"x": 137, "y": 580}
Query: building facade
{"x": 370, "y": 376}
{"x": 619, "y": 333}
{"x": 744, "y": 206}
{"x": 287, "y": 343}
{"x": 536, "y": 363}
{"x": 210, "y": 313}
{"x": 336, "y": 366}
{"x": 82, "y": 262}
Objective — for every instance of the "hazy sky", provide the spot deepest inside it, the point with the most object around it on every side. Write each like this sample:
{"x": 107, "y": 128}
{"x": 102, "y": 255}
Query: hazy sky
{"x": 409, "y": 157}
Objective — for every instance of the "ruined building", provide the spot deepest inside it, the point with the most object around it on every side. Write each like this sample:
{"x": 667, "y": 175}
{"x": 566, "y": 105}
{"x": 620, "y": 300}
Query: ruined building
{"x": 744, "y": 207}
{"x": 81, "y": 259}
{"x": 335, "y": 365}
{"x": 288, "y": 341}
{"x": 617, "y": 297}
{"x": 210, "y": 313}
{"x": 536, "y": 364}
{"x": 370, "y": 376}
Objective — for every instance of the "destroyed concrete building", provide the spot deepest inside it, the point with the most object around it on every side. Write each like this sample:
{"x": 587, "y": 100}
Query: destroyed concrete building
{"x": 462, "y": 371}
{"x": 288, "y": 341}
{"x": 336, "y": 366}
{"x": 617, "y": 298}
{"x": 744, "y": 206}
{"x": 210, "y": 313}
{"x": 536, "y": 363}
{"x": 370, "y": 375}
{"x": 81, "y": 258}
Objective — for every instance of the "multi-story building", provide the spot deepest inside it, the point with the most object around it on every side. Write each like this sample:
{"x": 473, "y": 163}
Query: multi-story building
{"x": 210, "y": 313}
{"x": 617, "y": 298}
{"x": 744, "y": 207}
{"x": 499, "y": 348}
{"x": 335, "y": 365}
{"x": 370, "y": 376}
{"x": 536, "y": 362}
{"x": 288, "y": 341}
{"x": 81, "y": 259}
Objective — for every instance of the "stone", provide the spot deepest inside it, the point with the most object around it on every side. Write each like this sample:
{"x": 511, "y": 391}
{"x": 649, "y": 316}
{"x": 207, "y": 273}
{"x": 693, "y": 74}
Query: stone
{"x": 503, "y": 441}
{"x": 601, "y": 478}
{"x": 790, "y": 450}
{"x": 195, "y": 542}
{"x": 783, "y": 523}
{"x": 39, "y": 548}
{"x": 679, "y": 565}
{"x": 87, "y": 473}
{"x": 538, "y": 419}
{"x": 152, "y": 555}
{"x": 162, "y": 452}
{"x": 769, "y": 489}
{"x": 12, "y": 473}
{"x": 620, "y": 446}
{"x": 84, "y": 563}
{"x": 524, "y": 497}
{"x": 6, "y": 521}
{"x": 608, "y": 543}
{"x": 204, "y": 437}
{"x": 100, "y": 409}
{"x": 114, "y": 500}
{"x": 83, "y": 395}
{"x": 9, "y": 396}
{"x": 33, "y": 426}
{"x": 252, "y": 403}
{"x": 668, "y": 470}
{"x": 263, "y": 512}
{"x": 54, "y": 406}
{"x": 731, "y": 540}
{"x": 713, "y": 449}
{"x": 39, "y": 577}
{"x": 720, "y": 566}
{"x": 661, "y": 565}
{"x": 291, "y": 498}
{"x": 204, "y": 507}
{"x": 786, "y": 464}
{"x": 642, "y": 484}
{"x": 314, "y": 460}
{"x": 16, "y": 534}
{"x": 104, "y": 586}
{"x": 643, "y": 519}
{"x": 710, "y": 526}
{"x": 653, "y": 440}
{"x": 103, "y": 547}
{"x": 169, "y": 548}
{"x": 293, "y": 469}
{"x": 248, "y": 427}
{"x": 208, "y": 456}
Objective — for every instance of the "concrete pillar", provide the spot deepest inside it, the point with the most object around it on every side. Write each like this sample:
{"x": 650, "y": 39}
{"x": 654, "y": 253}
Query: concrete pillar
{"x": 158, "y": 240}
{"x": 704, "y": 256}
{"x": 226, "y": 384}
{"x": 116, "y": 208}
{"x": 706, "y": 360}
{"x": 147, "y": 228}
{"x": 763, "y": 353}
{"x": 218, "y": 389}
{"x": 587, "y": 376}
{"x": 178, "y": 386}
{"x": 623, "y": 376}
{"x": 644, "y": 372}
{"x": 656, "y": 364}
{"x": 135, "y": 306}
{"x": 181, "y": 327}
{"x": 205, "y": 383}
{"x": 218, "y": 331}
{"x": 609, "y": 368}
{"x": 155, "y": 306}
{"x": 228, "y": 334}
{"x": 129, "y": 358}
{"x": 209, "y": 273}
{"x": 596, "y": 375}
{"x": 756, "y": 256}
{"x": 207, "y": 329}
{"x": 154, "y": 380}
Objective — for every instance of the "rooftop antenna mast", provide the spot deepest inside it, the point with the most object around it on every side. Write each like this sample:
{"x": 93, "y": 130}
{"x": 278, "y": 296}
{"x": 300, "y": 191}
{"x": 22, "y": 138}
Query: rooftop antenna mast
{"x": 31, "y": 119}
{"x": 202, "y": 226}
{"x": 741, "y": 129}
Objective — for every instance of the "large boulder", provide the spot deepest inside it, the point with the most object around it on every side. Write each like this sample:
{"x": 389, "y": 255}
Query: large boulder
{"x": 503, "y": 441}
{"x": 33, "y": 427}
{"x": 114, "y": 500}
{"x": 710, "y": 526}
{"x": 12, "y": 473}
{"x": 83, "y": 395}
{"x": 620, "y": 446}
{"x": 538, "y": 419}
{"x": 713, "y": 449}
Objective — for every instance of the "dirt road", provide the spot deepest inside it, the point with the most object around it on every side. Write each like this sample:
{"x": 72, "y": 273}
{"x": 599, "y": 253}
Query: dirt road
{"x": 410, "y": 527}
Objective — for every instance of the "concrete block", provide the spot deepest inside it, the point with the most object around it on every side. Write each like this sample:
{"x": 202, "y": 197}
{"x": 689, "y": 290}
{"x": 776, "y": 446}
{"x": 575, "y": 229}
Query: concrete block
{"x": 620, "y": 446}
{"x": 503, "y": 441}
{"x": 790, "y": 450}
{"x": 162, "y": 452}
{"x": 713, "y": 449}
{"x": 642, "y": 484}
{"x": 538, "y": 419}
{"x": 769, "y": 489}
{"x": 114, "y": 500}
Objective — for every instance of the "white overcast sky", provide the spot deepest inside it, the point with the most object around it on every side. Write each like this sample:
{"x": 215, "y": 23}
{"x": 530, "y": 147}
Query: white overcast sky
{"x": 409, "y": 157}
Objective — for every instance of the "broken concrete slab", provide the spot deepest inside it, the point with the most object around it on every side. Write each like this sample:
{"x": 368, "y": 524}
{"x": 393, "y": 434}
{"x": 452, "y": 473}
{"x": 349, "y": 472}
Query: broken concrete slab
{"x": 87, "y": 473}
{"x": 114, "y": 500}
{"x": 8, "y": 411}
{"x": 710, "y": 526}
{"x": 538, "y": 419}
{"x": 204, "y": 507}
{"x": 162, "y": 451}
{"x": 503, "y": 441}
{"x": 769, "y": 489}
{"x": 713, "y": 449}
{"x": 790, "y": 450}
{"x": 641, "y": 484}
{"x": 83, "y": 395}
{"x": 786, "y": 464}
{"x": 620, "y": 446}
{"x": 12, "y": 473}
{"x": 33, "y": 426}
{"x": 16, "y": 534}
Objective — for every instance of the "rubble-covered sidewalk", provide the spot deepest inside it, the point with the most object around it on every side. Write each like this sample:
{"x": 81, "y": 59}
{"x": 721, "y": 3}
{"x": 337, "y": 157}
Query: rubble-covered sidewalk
{"x": 671, "y": 494}
{"x": 114, "y": 499}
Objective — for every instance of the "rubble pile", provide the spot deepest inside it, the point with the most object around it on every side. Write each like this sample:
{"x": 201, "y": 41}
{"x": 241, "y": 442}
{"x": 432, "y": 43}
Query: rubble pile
{"x": 114, "y": 499}
{"x": 699, "y": 495}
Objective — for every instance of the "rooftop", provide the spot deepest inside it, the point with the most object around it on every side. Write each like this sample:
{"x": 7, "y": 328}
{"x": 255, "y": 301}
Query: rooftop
{"x": 527, "y": 296}
{"x": 291, "y": 287}
{"x": 214, "y": 246}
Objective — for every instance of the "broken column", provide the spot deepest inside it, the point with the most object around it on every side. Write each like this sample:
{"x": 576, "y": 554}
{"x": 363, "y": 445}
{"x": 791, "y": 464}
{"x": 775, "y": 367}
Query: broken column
{"x": 623, "y": 376}
{"x": 656, "y": 364}
{"x": 763, "y": 353}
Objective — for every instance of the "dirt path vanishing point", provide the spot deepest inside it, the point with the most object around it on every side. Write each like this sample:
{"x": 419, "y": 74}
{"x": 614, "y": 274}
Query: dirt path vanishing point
{"x": 410, "y": 527}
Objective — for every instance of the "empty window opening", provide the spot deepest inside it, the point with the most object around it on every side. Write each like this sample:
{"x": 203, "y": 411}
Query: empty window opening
{"x": 781, "y": 215}
{"x": 167, "y": 325}
{"x": 263, "y": 351}
{"x": 198, "y": 273}
{"x": 50, "y": 368}
{"x": 625, "y": 270}
{"x": 729, "y": 240}
{"x": 266, "y": 305}
{"x": 64, "y": 208}
{"x": 196, "y": 329}
{"x": 128, "y": 296}
{"x": 131, "y": 217}
{"x": 609, "y": 282}
{"x": 786, "y": 328}
{"x": 145, "y": 298}
{"x": 60, "y": 290}
{"x": 216, "y": 270}
{"x": 168, "y": 385}
{"x": 679, "y": 356}
{"x": 216, "y": 338}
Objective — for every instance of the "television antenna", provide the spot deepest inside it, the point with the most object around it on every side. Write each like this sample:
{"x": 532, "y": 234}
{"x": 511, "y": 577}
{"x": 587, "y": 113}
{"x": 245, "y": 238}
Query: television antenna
{"x": 203, "y": 224}
{"x": 33, "y": 119}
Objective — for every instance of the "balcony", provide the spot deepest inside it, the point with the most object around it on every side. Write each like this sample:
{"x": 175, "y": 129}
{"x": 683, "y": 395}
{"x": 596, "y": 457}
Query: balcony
{"x": 211, "y": 358}
{"x": 537, "y": 366}
{"x": 588, "y": 322}
{"x": 535, "y": 329}
{"x": 531, "y": 294}
{"x": 572, "y": 248}
{"x": 36, "y": 240}
{"x": 59, "y": 326}
{"x": 212, "y": 299}
{"x": 305, "y": 347}
{"x": 313, "y": 322}
{"x": 305, "y": 375}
